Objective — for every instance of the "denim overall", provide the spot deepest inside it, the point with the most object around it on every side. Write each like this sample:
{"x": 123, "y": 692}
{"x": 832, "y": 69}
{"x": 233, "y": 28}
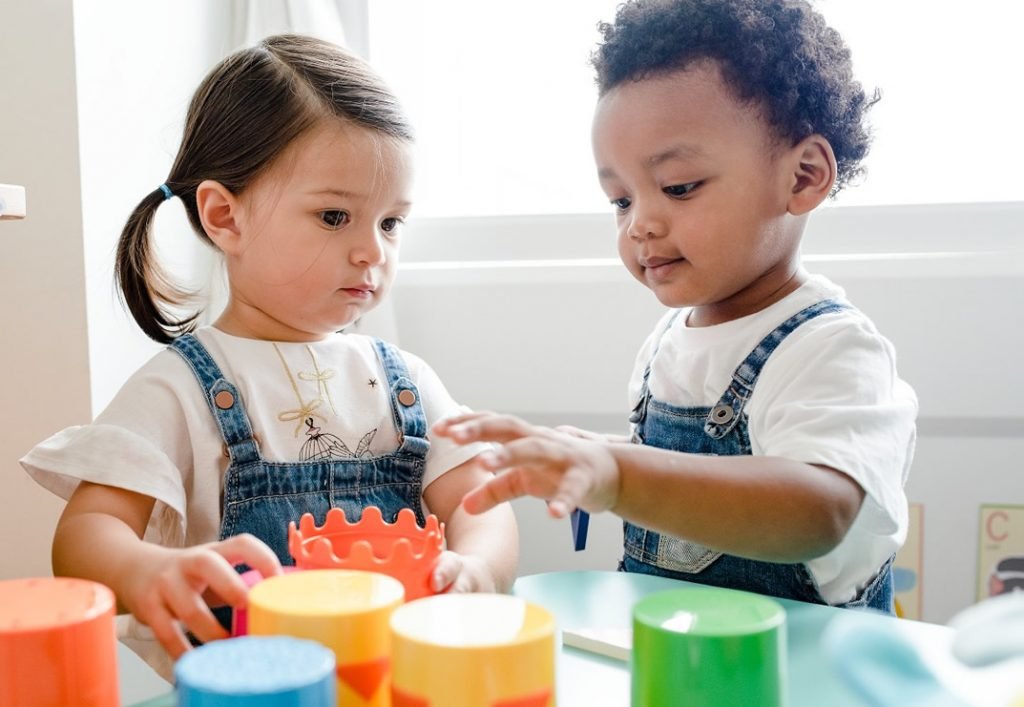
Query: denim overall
{"x": 723, "y": 430}
{"x": 260, "y": 497}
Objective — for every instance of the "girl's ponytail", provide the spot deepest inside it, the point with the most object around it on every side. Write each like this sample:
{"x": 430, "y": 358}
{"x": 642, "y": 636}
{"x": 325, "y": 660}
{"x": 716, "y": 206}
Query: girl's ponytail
{"x": 144, "y": 287}
{"x": 244, "y": 114}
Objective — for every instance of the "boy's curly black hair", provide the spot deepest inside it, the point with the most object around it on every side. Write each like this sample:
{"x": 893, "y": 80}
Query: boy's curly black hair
{"x": 779, "y": 54}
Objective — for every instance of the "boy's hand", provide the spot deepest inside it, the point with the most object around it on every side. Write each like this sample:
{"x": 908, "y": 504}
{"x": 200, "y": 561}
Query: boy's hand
{"x": 594, "y": 436}
{"x": 566, "y": 470}
{"x": 165, "y": 589}
{"x": 455, "y": 573}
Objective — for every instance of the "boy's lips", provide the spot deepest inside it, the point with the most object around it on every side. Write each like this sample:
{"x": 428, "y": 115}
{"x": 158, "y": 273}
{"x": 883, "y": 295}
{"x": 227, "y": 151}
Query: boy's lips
{"x": 658, "y": 270}
{"x": 656, "y": 262}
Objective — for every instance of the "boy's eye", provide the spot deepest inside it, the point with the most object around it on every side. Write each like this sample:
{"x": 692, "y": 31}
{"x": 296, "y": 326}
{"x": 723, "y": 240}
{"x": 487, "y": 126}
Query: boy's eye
{"x": 681, "y": 189}
{"x": 621, "y": 204}
{"x": 390, "y": 225}
{"x": 334, "y": 219}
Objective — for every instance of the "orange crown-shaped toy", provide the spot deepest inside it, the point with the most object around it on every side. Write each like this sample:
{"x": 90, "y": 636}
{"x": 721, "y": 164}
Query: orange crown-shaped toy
{"x": 402, "y": 549}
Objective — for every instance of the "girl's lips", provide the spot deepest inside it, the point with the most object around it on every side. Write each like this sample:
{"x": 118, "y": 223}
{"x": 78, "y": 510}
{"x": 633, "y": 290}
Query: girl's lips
{"x": 358, "y": 292}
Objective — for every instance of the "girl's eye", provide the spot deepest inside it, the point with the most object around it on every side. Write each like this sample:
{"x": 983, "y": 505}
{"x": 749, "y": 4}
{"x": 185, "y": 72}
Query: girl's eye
{"x": 389, "y": 225}
{"x": 334, "y": 219}
{"x": 621, "y": 204}
{"x": 681, "y": 189}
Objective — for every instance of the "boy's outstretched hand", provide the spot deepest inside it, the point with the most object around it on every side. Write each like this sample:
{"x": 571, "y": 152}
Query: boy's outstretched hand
{"x": 564, "y": 468}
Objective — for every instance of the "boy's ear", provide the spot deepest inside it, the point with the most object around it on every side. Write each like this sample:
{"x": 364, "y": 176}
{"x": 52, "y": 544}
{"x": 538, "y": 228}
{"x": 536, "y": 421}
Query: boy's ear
{"x": 814, "y": 174}
{"x": 218, "y": 212}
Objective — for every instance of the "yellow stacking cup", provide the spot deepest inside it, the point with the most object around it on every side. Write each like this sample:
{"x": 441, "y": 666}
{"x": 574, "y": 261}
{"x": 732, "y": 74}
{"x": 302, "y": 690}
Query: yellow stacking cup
{"x": 345, "y": 610}
{"x": 472, "y": 650}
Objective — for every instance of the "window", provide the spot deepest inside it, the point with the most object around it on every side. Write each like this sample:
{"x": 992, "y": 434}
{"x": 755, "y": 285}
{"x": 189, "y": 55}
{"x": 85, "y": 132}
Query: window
{"x": 501, "y": 95}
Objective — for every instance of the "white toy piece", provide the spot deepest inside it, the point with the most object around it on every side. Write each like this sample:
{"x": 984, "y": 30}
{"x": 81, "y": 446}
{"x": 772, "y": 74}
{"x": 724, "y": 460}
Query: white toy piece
{"x": 12, "y": 201}
{"x": 991, "y": 631}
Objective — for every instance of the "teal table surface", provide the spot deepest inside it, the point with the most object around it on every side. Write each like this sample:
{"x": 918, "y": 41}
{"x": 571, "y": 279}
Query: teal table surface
{"x": 601, "y": 602}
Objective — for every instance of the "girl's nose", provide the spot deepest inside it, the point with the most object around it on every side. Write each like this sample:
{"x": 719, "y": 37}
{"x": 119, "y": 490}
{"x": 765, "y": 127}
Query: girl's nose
{"x": 368, "y": 249}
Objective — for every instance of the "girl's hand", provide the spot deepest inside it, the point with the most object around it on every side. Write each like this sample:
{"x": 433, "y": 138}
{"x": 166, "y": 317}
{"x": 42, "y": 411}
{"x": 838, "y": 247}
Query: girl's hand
{"x": 456, "y": 574}
{"x": 566, "y": 470}
{"x": 166, "y": 588}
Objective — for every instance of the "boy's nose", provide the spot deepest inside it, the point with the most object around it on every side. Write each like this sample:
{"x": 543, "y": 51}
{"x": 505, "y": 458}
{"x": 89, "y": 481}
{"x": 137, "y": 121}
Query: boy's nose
{"x": 643, "y": 227}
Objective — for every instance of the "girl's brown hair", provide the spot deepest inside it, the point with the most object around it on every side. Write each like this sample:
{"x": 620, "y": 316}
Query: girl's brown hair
{"x": 243, "y": 115}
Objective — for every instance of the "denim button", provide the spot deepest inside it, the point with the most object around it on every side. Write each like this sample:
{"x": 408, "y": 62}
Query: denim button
{"x": 407, "y": 397}
{"x": 722, "y": 414}
{"x": 224, "y": 400}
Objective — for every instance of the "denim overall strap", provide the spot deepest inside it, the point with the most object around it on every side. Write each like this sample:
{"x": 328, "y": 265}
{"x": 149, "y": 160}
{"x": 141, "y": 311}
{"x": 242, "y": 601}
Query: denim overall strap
{"x": 726, "y": 413}
{"x": 410, "y": 419}
{"x": 684, "y": 429}
{"x": 222, "y": 398}
{"x": 640, "y": 409}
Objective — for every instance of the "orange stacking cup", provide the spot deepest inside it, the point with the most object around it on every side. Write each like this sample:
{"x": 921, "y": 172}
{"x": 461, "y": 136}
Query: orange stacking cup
{"x": 58, "y": 645}
{"x": 346, "y": 610}
{"x": 402, "y": 549}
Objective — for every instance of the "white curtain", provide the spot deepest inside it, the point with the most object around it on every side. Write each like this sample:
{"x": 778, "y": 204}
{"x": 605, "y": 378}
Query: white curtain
{"x": 343, "y": 22}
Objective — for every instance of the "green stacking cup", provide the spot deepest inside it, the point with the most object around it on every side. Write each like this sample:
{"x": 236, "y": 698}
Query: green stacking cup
{"x": 708, "y": 647}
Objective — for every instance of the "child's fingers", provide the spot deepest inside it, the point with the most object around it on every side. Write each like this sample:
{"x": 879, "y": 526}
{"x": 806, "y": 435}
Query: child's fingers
{"x": 446, "y": 571}
{"x": 167, "y": 631}
{"x": 577, "y": 432}
{"x": 441, "y": 426}
{"x": 190, "y": 609}
{"x": 489, "y": 428}
{"x": 211, "y": 571}
{"x": 512, "y": 483}
{"x": 250, "y": 550}
{"x": 485, "y": 497}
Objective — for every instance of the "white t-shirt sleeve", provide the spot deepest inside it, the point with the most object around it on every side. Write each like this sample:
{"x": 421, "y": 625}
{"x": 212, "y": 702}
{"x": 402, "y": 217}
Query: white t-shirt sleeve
{"x": 139, "y": 443}
{"x": 438, "y": 404}
{"x": 832, "y": 397}
{"x": 643, "y": 356}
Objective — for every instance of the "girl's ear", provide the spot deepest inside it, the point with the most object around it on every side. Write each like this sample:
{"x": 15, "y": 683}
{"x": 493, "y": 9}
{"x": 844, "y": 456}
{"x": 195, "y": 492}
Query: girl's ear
{"x": 814, "y": 174}
{"x": 218, "y": 211}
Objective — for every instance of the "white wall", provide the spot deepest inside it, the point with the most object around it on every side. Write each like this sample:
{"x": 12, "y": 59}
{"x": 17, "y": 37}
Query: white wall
{"x": 133, "y": 92}
{"x": 88, "y": 125}
{"x": 44, "y": 354}
{"x": 554, "y": 341}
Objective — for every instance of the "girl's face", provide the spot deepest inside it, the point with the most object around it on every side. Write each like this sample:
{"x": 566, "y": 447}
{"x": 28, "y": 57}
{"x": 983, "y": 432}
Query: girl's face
{"x": 700, "y": 193}
{"x": 319, "y": 235}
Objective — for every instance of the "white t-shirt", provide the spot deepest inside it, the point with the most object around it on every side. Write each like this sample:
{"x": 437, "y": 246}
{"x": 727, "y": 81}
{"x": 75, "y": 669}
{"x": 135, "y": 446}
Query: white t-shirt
{"x": 829, "y": 394}
{"x": 158, "y": 436}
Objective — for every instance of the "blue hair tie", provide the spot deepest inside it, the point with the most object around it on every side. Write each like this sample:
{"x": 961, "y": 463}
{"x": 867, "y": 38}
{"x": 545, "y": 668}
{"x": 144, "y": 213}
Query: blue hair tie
{"x": 167, "y": 191}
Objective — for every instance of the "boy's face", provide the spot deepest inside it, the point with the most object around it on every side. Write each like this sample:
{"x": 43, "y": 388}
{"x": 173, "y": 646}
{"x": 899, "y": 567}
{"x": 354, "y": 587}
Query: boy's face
{"x": 700, "y": 186}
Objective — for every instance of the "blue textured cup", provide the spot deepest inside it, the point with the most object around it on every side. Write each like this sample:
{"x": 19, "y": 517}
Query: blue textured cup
{"x": 257, "y": 671}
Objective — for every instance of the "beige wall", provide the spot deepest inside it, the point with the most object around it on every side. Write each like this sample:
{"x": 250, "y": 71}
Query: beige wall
{"x": 44, "y": 355}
